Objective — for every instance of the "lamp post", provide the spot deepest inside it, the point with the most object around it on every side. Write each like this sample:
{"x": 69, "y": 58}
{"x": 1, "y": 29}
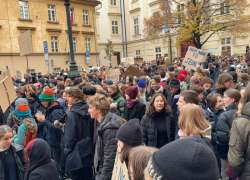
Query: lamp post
{"x": 73, "y": 68}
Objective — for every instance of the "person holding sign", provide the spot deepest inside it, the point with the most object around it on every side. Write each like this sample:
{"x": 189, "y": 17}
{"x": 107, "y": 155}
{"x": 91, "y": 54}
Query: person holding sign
{"x": 129, "y": 136}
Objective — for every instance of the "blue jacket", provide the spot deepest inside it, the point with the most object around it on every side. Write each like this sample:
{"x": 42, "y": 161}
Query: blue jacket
{"x": 216, "y": 74}
{"x": 52, "y": 134}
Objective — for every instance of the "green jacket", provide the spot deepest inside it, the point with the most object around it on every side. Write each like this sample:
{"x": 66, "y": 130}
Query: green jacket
{"x": 239, "y": 145}
{"x": 120, "y": 103}
{"x": 238, "y": 86}
{"x": 22, "y": 131}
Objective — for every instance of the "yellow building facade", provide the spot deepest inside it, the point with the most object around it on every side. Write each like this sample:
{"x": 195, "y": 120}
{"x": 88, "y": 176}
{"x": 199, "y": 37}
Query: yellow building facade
{"x": 46, "y": 19}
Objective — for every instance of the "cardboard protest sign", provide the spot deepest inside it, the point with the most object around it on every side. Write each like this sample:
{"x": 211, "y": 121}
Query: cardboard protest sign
{"x": 18, "y": 74}
{"x": 120, "y": 170}
{"x": 113, "y": 75}
{"x": 126, "y": 63}
{"x": 130, "y": 59}
{"x": 114, "y": 61}
{"x": 167, "y": 61}
{"x": 25, "y": 43}
{"x": 132, "y": 71}
{"x": 138, "y": 60}
{"x": 7, "y": 90}
{"x": 193, "y": 57}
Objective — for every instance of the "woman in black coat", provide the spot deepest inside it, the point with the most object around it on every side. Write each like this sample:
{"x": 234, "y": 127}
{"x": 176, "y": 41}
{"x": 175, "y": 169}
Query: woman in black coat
{"x": 39, "y": 163}
{"x": 157, "y": 123}
{"x": 224, "y": 82}
{"x": 133, "y": 109}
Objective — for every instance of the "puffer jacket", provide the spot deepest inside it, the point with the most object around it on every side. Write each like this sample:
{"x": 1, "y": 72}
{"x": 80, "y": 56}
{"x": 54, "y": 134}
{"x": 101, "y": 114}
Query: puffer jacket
{"x": 219, "y": 91}
{"x": 120, "y": 103}
{"x": 224, "y": 125}
{"x": 106, "y": 145}
{"x": 18, "y": 153}
{"x": 150, "y": 132}
{"x": 239, "y": 144}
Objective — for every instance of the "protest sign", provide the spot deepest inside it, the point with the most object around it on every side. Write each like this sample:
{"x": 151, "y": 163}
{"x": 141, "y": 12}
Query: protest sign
{"x": 132, "y": 71}
{"x": 7, "y": 90}
{"x": 153, "y": 61}
{"x": 113, "y": 75}
{"x": 25, "y": 43}
{"x": 193, "y": 57}
{"x": 120, "y": 171}
{"x": 138, "y": 60}
{"x": 130, "y": 59}
{"x": 114, "y": 61}
{"x": 126, "y": 63}
{"x": 18, "y": 74}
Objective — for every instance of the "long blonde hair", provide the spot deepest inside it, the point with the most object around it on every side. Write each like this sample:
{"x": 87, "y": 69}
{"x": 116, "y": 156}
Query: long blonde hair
{"x": 149, "y": 86}
{"x": 192, "y": 120}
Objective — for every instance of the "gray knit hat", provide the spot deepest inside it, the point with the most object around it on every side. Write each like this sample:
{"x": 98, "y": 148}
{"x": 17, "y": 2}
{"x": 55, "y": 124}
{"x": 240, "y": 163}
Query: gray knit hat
{"x": 21, "y": 101}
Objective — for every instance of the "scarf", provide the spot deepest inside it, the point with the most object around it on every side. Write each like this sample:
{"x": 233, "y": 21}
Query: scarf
{"x": 130, "y": 103}
{"x": 115, "y": 94}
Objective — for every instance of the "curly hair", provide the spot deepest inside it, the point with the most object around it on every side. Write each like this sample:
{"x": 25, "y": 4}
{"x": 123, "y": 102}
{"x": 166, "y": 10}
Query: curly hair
{"x": 212, "y": 100}
{"x": 151, "y": 109}
{"x": 100, "y": 102}
{"x": 75, "y": 92}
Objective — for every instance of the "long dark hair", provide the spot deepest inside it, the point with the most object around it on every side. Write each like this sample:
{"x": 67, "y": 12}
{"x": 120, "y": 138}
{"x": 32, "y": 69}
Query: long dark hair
{"x": 151, "y": 109}
{"x": 125, "y": 151}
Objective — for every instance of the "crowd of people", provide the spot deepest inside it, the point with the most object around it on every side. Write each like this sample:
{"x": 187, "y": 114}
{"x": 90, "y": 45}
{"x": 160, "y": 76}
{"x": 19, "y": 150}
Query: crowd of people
{"x": 169, "y": 122}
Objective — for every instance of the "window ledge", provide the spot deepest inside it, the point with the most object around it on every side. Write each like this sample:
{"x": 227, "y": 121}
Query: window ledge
{"x": 134, "y": 1}
{"x": 137, "y": 35}
{"x": 86, "y": 25}
{"x": 22, "y": 19}
{"x": 117, "y": 35}
{"x": 74, "y": 24}
{"x": 53, "y": 30}
{"x": 26, "y": 28}
{"x": 53, "y": 22}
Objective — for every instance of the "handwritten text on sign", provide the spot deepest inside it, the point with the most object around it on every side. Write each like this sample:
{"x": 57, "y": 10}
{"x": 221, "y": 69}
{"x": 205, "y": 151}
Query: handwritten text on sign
{"x": 113, "y": 75}
{"x": 193, "y": 57}
{"x": 120, "y": 171}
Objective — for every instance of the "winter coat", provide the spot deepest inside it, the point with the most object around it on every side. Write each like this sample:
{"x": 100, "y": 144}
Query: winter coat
{"x": 120, "y": 103}
{"x": 239, "y": 145}
{"x": 106, "y": 145}
{"x": 150, "y": 131}
{"x": 76, "y": 129}
{"x": 18, "y": 153}
{"x": 149, "y": 95}
{"x": 224, "y": 125}
{"x": 238, "y": 85}
{"x": 53, "y": 135}
{"x": 137, "y": 111}
{"x": 24, "y": 125}
{"x": 54, "y": 89}
{"x": 167, "y": 95}
{"x": 219, "y": 91}
{"x": 216, "y": 74}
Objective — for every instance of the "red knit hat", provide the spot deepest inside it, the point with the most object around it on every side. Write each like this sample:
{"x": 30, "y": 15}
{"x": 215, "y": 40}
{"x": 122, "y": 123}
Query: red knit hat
{"x": 181, "y": 78}
{"x": 132, "y": 92}
{"x": 163, "y": 85}
{"x": 23, "y": 108}
{"x": 184, "y": 72}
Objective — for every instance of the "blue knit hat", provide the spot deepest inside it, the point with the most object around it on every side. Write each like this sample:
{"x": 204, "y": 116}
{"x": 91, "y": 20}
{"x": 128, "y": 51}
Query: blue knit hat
{"x": 171, "y": 68}
{"x": 231, "y": 69}
{"x": 23, "y": 111}
{"x": 141, "y": 84}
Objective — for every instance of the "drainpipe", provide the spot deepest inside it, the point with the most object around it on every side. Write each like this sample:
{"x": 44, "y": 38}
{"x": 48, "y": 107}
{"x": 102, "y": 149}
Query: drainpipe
{"x": 122, "y": 27}
{"x": 124, "y": 17}
{"x": 95, "y": 35}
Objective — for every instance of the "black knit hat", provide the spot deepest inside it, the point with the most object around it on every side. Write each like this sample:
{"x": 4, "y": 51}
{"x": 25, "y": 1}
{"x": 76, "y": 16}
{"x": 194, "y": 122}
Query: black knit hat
{"x": 189, "y": 158}
{"x": 130, "y": 133}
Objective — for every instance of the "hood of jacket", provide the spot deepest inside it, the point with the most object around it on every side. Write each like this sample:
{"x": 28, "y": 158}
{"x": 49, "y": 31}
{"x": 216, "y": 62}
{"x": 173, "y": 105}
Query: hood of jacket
{"x": 110, "y": 121}
{"x": 232, "y": 106}
{"x": 61, "y": 102}
{"x": 80, "y": 107}
{"x": 245, "y": 109}
{"x": 208, "y": 132}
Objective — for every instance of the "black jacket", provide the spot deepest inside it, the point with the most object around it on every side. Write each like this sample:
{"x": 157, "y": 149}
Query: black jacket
{"x": 106, "y": 145}
{"x": 219, "y": 91}
{"x": 18, "y": 153}
{"x": 150, "y": 132}
{"x": 168, "y": 96}
{"x": 224, "y": 125}
{"x": 76, "y": 129}
{"x": 45, "y": 172}
{"x": 137, "y": 111}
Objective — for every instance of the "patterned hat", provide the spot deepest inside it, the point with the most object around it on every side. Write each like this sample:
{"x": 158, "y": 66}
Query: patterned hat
{"x": 47, "y": 95}
{"x": 23, "y": 111}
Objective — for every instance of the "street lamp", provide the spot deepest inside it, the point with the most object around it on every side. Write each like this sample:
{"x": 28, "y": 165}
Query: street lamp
{"x": 73, "y": 68}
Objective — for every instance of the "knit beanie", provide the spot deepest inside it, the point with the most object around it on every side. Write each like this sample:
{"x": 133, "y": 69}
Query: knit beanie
{"x": 171, "y": 68}
{"x": 141, "y": 84}
{"x": 23, "y": 111}
{"x": 21, "y": 101}
{"x": 188, "y": 158}
{"x": 130, "y": 133}
{"x": 47, "y": 95}
{"x": 181, "y": 78}
{"x": 163, "y": 85}
{"x": 109, "y": 82}
{"x": 231, "y": 69}
{"x": 41, "y": 80}
{"x": 132, "y": 92}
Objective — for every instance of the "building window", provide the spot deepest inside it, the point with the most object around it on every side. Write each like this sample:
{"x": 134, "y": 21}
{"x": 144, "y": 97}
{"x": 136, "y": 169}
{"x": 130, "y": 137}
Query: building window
{"x": 71, "y": 12}
{"x": 226, "y": 46}
{"x": 88, "y": 44}
{"x": 54, "y": 44}
{"x": 113, "y": 2}
{"x": 52, "y": 62}
{"x": 57, "y": 70}
{"x": 85, "y": 17}
{"x": 137, "y": 53}
{"x": 157, "y": 52}
{"x": 74, "y": 45}
{"x": 180, "y": 10}
{"x": 52, "y": 13}
{"x": 224, "y": 7}
{"x": 136, "y": 26}
{"x": 114, "y": 27}
{"x": 24, "y": 9}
